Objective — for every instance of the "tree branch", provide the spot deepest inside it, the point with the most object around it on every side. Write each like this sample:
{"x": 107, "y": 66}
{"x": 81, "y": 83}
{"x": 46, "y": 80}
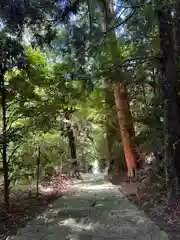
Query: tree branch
{"x": 12, "y": 153}
{"x": 133, "y": 6}
{"x": 122, "y": 23}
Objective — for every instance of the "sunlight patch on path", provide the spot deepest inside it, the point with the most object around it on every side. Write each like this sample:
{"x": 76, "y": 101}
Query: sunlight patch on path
{"x": 94, "y": 187}
{"x": 74, "y": 225}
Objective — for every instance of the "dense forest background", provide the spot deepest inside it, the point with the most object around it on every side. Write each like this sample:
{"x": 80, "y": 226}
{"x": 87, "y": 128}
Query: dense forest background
{"x": 84, "y": 82}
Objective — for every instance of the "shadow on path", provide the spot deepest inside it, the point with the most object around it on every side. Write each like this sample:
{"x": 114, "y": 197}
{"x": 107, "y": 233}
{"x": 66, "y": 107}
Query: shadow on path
{"x": 93, "y": 210}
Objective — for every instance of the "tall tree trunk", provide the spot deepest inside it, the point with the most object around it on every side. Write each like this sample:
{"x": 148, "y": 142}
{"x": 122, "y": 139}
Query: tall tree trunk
{"x": 126, "y": 123}
{"x": 37, "y": 171}
{"x": 4, "y": 143}
{"x": 109, "y": 149}
{"x": 109, "y": 98}
{"x": 71, "y": 138}
{"x": 120, "y": 92}
{"x": 177, "y": 45}
{"x": 177, "y": 30}
{"x": 168, "y": 83}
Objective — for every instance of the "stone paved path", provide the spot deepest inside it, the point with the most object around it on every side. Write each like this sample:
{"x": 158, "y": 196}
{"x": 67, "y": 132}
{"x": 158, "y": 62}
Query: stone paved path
{"x": 94, "y": 210}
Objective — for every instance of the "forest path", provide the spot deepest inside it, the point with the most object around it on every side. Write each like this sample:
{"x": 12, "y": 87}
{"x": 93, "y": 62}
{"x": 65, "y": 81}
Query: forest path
{"x": 93, "y": 210}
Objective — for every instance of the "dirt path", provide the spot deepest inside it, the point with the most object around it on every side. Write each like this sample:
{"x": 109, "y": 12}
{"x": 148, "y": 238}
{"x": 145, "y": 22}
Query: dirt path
{"x": 94, "y": 209}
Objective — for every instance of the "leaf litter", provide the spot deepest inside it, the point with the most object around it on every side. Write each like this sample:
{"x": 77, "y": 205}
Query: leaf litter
{"x": 25, "y": 205}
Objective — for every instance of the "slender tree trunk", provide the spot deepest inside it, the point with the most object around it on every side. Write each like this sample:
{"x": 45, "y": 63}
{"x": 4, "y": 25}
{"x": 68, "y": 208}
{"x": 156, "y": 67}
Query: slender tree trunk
{"x": 72, "y": 145}
{"x": 71, "y": 139}
{"x": 168, "y": 83}
{"x": 110, "y": 155}
{"x": 84, "y": 163}
{"x": 70, "y": 135}
{"x": 4, "y": 144}
{"x": 109, "y": 145}
{"x": 37, "y": 173}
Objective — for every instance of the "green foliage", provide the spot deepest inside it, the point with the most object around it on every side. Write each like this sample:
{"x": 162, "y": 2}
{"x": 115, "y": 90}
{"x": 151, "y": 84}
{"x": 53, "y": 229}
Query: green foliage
{"x": 72, "y": 71}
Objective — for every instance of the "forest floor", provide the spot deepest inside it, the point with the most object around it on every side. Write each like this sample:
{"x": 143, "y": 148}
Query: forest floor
{"x": 152, "y": 200}
{"x": 93, "y": 209}
{"x": 25, "y": 205}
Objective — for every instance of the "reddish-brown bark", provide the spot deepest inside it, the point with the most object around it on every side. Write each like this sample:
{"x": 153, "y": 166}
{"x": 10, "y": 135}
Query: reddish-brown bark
{"x": 126, "y": 127}
{"x": 126, "y": 124}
